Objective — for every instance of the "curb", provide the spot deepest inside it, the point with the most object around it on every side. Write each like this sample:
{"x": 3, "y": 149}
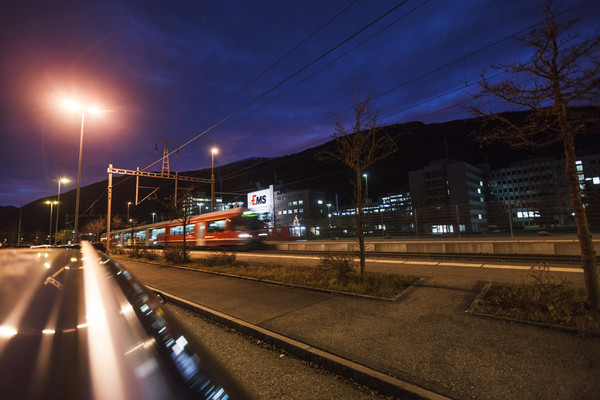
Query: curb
{"x": 384, "y": 384}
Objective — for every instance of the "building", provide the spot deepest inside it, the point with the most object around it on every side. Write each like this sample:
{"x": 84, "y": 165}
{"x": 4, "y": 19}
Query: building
{"x": 300, "y": 210}
{"x": 448, "y": 196}
{"x": 535, "y": 193}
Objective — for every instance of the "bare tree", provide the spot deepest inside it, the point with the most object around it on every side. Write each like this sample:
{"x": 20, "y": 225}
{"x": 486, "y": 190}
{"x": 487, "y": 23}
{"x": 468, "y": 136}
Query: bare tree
{"x": 181, "y": 208}
{"x": 96, "y": 226}
{"x": 117, "y": 222}
{"x": 359, "y": 148}
{"x": 560, "y": 91}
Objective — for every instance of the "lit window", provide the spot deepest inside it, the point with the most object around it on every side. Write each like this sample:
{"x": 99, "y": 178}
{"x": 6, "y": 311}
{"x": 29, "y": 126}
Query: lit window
{"x": 596, "y": 180}
{"x": 319, "y": 201}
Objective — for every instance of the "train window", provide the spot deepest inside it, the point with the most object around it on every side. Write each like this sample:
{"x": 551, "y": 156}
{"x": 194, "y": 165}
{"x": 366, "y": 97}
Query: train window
{"x": 176, "y": 230}
{"x": 158, "y": 232}
{"x": 189, "y": 229}
{"x": 216, "y": 226}
{"x": 140, "y": 235}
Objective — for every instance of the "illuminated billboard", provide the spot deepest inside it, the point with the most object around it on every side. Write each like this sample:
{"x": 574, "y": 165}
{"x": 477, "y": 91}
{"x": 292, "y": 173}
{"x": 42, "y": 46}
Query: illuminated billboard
{"x": 261, "y": 201}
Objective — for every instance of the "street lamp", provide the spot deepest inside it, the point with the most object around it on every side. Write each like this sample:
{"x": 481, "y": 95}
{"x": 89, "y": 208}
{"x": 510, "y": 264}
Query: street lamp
{"x": 213, "y": 151}
{"x": 59, "y": 180}
{"x": 366, "y": 187}
{"x": 153, "y": 215}
{"x": 128, "y": 204}
{"x": 75, "y": 106}
{"x": 52, "y": 203}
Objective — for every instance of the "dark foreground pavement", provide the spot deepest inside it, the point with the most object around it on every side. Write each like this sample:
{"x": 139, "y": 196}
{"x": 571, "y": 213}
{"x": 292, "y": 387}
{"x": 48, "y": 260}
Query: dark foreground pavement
{"x": 422, "y": 345}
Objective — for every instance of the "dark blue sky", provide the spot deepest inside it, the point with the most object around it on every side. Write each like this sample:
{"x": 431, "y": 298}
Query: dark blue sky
{"x": 254, "y": 78}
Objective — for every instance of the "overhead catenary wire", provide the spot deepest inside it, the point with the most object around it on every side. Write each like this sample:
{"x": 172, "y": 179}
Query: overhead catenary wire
{"x": 294, "y": 74}
{"x": 462, "y": 58}
{"x": 286, "y": 55}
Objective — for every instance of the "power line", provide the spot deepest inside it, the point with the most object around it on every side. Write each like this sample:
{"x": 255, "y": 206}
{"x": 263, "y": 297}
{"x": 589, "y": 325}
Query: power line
{"x": 339, "y": 57}
{"x": 459, "y": 59}
{"x": 291, "y": 51}
{"x": 286, "y": 79}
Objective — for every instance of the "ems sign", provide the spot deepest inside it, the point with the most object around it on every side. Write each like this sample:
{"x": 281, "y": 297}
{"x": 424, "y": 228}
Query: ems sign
{"x": 261, "y": 201}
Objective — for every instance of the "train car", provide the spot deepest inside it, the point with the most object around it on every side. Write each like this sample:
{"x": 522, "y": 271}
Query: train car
{"x": 234, "y": 227}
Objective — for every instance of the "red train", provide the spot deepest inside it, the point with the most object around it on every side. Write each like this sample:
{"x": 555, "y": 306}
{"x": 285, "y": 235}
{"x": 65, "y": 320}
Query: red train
{"x": 233, "y": 227}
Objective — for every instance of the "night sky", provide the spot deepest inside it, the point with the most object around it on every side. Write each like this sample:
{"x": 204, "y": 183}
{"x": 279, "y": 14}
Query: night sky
{"x": 254, "y": 78}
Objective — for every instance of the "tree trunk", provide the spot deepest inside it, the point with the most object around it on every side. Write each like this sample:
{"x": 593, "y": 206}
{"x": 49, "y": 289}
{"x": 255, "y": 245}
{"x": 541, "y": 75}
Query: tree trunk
{"x": 588, "y": 254}
{"x": 360, "y": 221}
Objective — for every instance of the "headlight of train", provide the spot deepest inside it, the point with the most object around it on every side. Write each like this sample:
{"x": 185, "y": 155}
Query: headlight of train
{"x": 245, "y": 235}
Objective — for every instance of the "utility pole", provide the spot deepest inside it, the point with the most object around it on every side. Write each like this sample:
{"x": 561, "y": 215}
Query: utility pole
{"x": 213, "y": 151}
{"x": 19, "y": 238}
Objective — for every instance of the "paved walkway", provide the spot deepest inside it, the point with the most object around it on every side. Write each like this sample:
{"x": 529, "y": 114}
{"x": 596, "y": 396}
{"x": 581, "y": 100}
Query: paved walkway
{"x": 423, "y": 345}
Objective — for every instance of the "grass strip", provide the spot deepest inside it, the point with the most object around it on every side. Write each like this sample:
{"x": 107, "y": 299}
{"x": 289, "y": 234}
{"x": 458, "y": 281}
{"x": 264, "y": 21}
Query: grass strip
{"x": 559, "y": 304}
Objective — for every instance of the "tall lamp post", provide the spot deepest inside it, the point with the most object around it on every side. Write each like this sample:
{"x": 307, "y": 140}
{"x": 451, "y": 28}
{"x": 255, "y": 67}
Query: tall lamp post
{"x": 128, "y": 204}
{"x": 75, "y": 106}
{"x": 51, "y": 203}
{"x": 366, "y": 187}
{"x": 59, "y": 180}
{"x": 213, "y": 151}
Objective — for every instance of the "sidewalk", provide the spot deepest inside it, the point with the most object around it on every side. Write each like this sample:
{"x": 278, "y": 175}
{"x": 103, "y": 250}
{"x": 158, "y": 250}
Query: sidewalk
{"x": 422, "y": 345}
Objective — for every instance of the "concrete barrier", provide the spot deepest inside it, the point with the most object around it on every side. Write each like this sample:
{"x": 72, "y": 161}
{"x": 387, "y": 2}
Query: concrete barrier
{"x": 558, "y": 247}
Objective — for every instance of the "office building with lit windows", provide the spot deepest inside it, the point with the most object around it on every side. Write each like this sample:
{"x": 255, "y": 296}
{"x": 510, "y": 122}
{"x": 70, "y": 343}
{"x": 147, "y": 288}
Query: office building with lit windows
{"x": 298, "y": 210}
{"x": 535, "y": 193}
{"x": 449, "y": 196}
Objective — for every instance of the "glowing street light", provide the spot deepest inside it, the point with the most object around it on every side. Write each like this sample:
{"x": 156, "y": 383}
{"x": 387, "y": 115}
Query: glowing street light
{"x": 51, "y": 203}
{"x": 213, "y": 151}
{"x": 78, "y": 107}
{"x": 128, "y": 204}
{"x": 153, "y": 215}
{"x": 59, "y": 180}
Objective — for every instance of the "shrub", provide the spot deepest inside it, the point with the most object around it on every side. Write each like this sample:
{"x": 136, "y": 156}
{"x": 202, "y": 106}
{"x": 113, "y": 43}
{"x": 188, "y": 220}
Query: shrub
{"x": 544, "y": 299}
{"x": 218, "y": 258}
{"x": 117, "y": 250}
{"x": 149, "y": 254}
{"x": 175, "y": 254}
{"x": 135, "y": 252}
{"x": 341, "y": 264}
